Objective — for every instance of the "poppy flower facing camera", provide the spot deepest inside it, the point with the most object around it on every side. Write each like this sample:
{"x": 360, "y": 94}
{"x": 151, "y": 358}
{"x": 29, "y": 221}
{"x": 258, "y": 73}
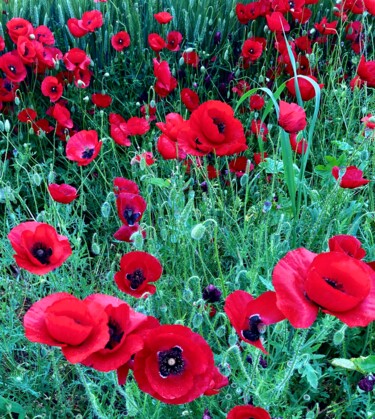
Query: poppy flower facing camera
{"x": 39, "y": 249}
{"x": 83, "y": 147}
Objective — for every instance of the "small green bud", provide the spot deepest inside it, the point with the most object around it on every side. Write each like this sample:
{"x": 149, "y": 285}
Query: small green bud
{"x": 198, "y": 231}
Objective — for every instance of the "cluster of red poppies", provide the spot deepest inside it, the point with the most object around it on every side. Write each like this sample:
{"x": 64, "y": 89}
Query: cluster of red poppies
{"x": 337, "y": 282}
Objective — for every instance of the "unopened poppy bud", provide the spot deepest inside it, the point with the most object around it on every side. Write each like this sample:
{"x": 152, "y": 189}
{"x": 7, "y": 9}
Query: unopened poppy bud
{"x": 17, "y": 101}
{"x": 152, "y": 103}
{"x": 137, "y": 240}
{"x": 86, "y": 99}
{"x": 203, "y": 69}
{"x": 198, "y": 232}
{"x": 181, "y": 61}
{"x": 7, "y": 125}
{"x": 51, "y": 177}
{"x": 36, "y": 179}
{"x": 32, "y": 36}
{"x": 95, "y": 249}
{"x": 81, "y": 83}
{"x": 261, "y": 79}
{"x": 2, "y": 128}
{"x": 338, "y": 337}
{"x": 226, "y": 55}
{"x": 106, "y": 209}
{"x": 106, "y": 75}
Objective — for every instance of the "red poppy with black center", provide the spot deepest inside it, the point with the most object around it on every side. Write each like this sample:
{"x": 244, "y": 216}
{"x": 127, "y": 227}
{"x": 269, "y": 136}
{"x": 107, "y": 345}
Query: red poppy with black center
{"x": 19, "y": 27}
{"x": 39, "y": 249}
{"x": 126, "y": 328}
{"x": 64, "y": 194}
{"x": 163, "y": 17}
{"x": 190, "y": 99}
{"x": 337, "y": 283}
{"x": 121, "y": 184}
{"x": 212, "y": 128}
{"x": 78, "y": 327}
{"x": 28, "y": 50}
{"x": 137, "y": 270}
{"x": 174, "y": 40}
{"x": 44, "y": 35}
{"x": 175, "y": 365}
{"x": 83, "y": 147}
{"x": 248, "y": 412}
{"x": 101, "y": 100}
{"x": 347, "y": 244}
{"x": 27, "y": 115}
{"x": 130, "y": 208}
{"x": 52, "y": 88}
{"x": 13, "y": 66}
{"x": 252, "y": 49}
{"x": 292, "y": 118}
{"x": 91, "y": 20}
{"x": 120, "y": 41}
{"x": 156, "y": 42}
{"x": 350, "y": 178}
{"x": 250, "y": 316}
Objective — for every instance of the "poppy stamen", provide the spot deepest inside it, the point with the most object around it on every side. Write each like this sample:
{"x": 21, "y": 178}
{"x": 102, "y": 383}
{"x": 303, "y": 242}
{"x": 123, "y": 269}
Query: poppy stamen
{"x": 130, "y": 216}
{"x": 42, "y": 253}
{"x": 115, "y": 334}
{"x": 12, "y": 69}
{"x": 255, "y": 330}
{"x": 220, "y": 125}
{"x": 334, "y": 284}
{"x": 171, "y": 362}
{"x": 88, "y": 153}
{"x": 136, "y": 279}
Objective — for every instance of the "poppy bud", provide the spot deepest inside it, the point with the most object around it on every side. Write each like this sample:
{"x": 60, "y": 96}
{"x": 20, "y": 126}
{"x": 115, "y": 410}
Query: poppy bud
{"x": 198, "y": 232}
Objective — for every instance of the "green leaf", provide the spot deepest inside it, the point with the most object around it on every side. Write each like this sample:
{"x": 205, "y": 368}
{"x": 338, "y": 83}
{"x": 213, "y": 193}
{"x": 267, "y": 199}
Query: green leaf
{"x": 344, "y": 363}
{"x": 157, "y": 181}
{"x": 9, "y": 407}
{"x": 365, "y": 364}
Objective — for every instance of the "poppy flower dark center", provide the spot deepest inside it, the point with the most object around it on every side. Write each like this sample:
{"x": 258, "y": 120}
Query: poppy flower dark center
{"x": 171, "y": 362}
{"x": 256, "y": 328}
{"x": 12, "y": 69}
{"x": 136, "y": 279}
{"x": 251, "y": 50}
{"x": 334, "y": 284}
{"x": 53, "y": 89}
{"x": 88, "y": 153}
{"x": 115, "y": 334}
{"x": 41, "y": 252}
{"x": 220, "y": 125}
{"x": 130, "y": 216}
{"x": 120, "y": 41}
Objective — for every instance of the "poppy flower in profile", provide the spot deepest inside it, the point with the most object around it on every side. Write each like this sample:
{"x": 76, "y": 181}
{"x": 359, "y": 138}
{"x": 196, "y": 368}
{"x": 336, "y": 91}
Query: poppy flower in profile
{"x": 75, "y": 28}
{"x": 292, "y": 118}
{"x": 218, "y": 380}
{"x": 165, "y": 82}
{"x": 256, "y": 102}
{"x": 83, "y": 147}
{"x": 240, "y": 165}
{"x": 250, "y": 316}
{"x": 305, "y": 87}
{"x": 156, "y": 42}
{"x": 64, "y": 194}
{"x": 137, "y": 270}
{"x": 366, "y": 71}
{"x": 62, "y": 115}
{"x": 120, "y": 41}
{"x": 126, "y": 328}
{"x": 338, "y": 284}
{"x": 326, "y": 28}
{"x": 19, "y": 27}
{"x": 130, "y": 208}
{"x": 13, "y": 66}
{"x": 351, "y": 179}
{"x": 248, "y": 411}
{"x": 175, "y": 365}
{"x": 39, "y": 249}
{"x": 121, "y": 184}
{"x": 190, "y": 99}
{"x": 299, "y": 147}
{"x": 347, "y": 244}
{"x": 76, "y": 58}
{"x": 78, "y": 327}
{"x": 174, "y": 40}
{"x": 52, "y": 88}
{"x": 163, "y": 17}
{"x": 27, "y": 115}
{"x": 259, "y": 157}
{"x": 191, "y": 58}
{"x": 276, "y": 22}
{"x": 125, "y": 232}
{"x": 212, "y": 128}
{"x": 147, "y": 156}
{"x": 101, "y": 100}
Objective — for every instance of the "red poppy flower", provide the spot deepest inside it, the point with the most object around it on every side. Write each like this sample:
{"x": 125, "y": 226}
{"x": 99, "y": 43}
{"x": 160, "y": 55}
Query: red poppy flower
{"x": 74, "y": 58}
{"x": 276, "y": 22}
{"x": 169, "y": 149}
{"x": 366, "y": 71}
{"x": 91, "y": 20}
{"x": 292, "y": 117}
{"x": 299, "y": 147}
{"x": 78, "y": 327}
{"x": 126, "y": 327}
{"x": 39, "y": 249}
{"x": 62, "y": 115}
{"x": 120, "y": 41}
{"x": 175, "y": 365}
{"x": 305, "y": 87}
{"x": 101, "y": 100}
{"x": 190, "y": 99}
{"x": 130, "y": 208}
{"x": 163, "y": 17}
{"x": 13, "y": 66}
{"x": 62, "y": 193}
{"x": 19, "y": 27}
{"x": 44, "y": 35}
{"x": 370, "y": 6}
{"x": 7, "y": 90}
{"x": 27, "y": 115}
{"x": 41, "y": 125}
{"x": 165, "y": 83}
{"x": 52, "y": 88}
{"x": 335, "y": 282}
{"x": 171, "y": 126}
{"x": 75, "y": 28}
{"x": 218, "y": 380}
{"x": 212, "y": 127}
{"x": 174, "y": 40}
{"x": 326, "y": 28}
{"x": 125, "y": 232}
{"x": 256, "y": 102}
{"x": 2, "y": 43}
{"x": 137, "y": 270}
{"x": 120, "y": 129}
{"x": 250, "y": 316}
{"x": 191, "y": 58}
{"x": 147, "y": 156}
{"x": 248, "y": 411}
{"x": 252, "y": 49}
{"x": 156, "y": 42}
{"x": 242, "y": 14}
{"x": 347, "y": 244}
{"x": 124, "y": 185}
{"x": 239, "y": 166}
{"x": 28, "y": 50}
{"x": 83, "y": 147}
{"x": 259, "y": 157}
{"x": 241, "y": 87}
{"x": 351, "y": 179}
